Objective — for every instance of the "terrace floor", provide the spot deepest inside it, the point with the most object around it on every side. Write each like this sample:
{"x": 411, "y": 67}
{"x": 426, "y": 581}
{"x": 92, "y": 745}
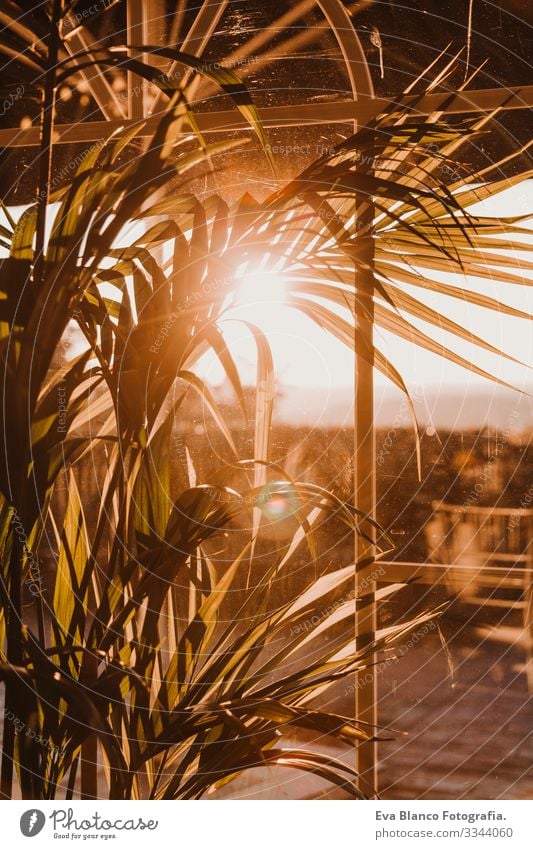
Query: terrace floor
{"x": 466, "y": 717}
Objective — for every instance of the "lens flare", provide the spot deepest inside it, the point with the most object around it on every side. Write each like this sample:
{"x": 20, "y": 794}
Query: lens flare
{"x": 278, "y": 501}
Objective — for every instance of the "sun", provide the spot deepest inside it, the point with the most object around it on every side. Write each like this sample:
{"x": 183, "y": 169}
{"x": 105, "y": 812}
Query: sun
{"x": 262, "y": 291}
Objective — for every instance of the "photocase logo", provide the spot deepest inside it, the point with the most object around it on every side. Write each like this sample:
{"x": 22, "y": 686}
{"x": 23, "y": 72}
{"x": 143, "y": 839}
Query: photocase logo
{"x": 32, "y": 822}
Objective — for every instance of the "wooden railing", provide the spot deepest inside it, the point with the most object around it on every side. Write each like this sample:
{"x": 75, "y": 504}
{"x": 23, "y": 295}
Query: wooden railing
{"x": 482, "y": 555}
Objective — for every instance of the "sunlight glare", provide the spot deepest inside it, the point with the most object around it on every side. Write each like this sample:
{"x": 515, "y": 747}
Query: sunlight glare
{"x": 261, "y": 289}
